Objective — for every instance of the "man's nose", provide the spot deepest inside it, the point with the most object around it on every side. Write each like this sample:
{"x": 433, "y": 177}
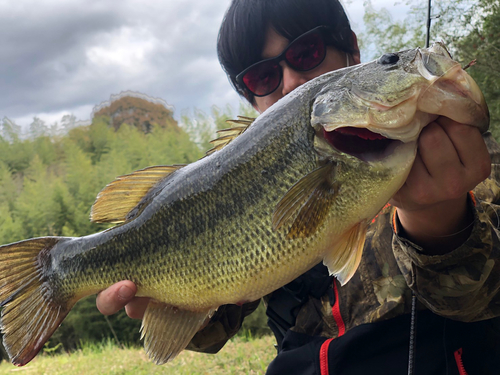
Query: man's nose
{"x": 291, "y": 79}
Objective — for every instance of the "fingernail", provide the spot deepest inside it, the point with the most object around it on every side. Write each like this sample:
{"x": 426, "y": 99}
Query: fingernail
{"x": 125, "y": 293}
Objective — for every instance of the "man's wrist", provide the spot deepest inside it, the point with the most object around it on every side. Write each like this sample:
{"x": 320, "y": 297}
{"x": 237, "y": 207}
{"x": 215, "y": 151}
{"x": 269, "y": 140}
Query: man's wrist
{"x": 437, "y": 229}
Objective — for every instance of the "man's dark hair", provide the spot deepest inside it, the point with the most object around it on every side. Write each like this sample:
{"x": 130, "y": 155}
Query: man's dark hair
{"x": 243, "y": 30}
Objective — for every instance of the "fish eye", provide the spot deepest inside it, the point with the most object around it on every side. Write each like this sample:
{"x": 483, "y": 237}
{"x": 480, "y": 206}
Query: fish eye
{"x": 388, "y": 59}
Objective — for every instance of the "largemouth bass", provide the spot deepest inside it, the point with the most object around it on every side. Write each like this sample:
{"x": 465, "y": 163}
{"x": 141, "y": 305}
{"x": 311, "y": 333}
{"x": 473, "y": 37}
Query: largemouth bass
{"x": 296, "y": 187}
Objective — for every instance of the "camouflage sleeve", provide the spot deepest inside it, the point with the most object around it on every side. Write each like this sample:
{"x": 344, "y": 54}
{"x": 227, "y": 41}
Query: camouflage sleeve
{"x": 464, "y": 283}
{"x": 223, "y": 325}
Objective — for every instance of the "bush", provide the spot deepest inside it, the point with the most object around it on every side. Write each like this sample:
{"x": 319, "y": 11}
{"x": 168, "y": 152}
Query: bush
{"x": 255, "y": 324}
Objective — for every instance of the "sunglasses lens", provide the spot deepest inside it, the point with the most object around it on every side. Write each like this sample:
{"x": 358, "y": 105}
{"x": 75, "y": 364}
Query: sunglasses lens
{"x": 263, "y": 78}
{"x": 306, "y": 53}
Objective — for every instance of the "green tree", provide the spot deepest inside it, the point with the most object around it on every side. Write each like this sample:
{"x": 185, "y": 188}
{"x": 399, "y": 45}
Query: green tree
{"x": 202, "y": 127}
{"x": 470, "y": 29}
{"x": 14, "y": 152}
{"x": 483, "y": 44}
{"x": 49, "y": 181}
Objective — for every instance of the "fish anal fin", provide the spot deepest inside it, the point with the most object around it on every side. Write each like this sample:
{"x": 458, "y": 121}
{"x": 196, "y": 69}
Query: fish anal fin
{"x": 167, "y": 330}
{"x": 119, "y": 197}
{"x": 344, "y": 258}
{"x": 226, "y": 136}
{"x": 308, "y": 201}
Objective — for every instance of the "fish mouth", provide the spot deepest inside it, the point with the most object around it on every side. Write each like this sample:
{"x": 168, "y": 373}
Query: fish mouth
{"x": 361, "y": 143}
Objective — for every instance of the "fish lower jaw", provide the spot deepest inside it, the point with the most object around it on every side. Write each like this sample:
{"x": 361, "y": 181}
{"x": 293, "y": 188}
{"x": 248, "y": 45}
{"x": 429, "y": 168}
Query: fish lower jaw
{"x": 400, "y": 159}
{"x": 364, "y": 144}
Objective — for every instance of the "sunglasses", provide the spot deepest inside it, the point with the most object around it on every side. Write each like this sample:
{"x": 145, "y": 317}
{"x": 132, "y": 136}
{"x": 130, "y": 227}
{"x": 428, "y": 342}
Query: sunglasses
{"x": 304, "y": 53}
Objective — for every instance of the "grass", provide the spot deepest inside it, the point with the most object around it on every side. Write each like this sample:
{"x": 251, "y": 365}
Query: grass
{"x": 239, "y": 356}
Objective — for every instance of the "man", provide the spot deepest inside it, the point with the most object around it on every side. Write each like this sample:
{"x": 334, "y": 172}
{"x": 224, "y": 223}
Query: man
{"x": 443, "y": 247}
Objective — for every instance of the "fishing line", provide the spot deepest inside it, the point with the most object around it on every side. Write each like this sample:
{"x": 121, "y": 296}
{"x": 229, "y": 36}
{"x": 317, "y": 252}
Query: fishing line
{"x": 445, "y": 346}
{"x": 438, "y": 78}
{"x": 413, "y": 333}
{"x": 454, "y": 234}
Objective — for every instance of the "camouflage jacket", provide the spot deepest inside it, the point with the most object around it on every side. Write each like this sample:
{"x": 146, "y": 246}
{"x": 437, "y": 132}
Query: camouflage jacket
{"x": 462, "y": 284}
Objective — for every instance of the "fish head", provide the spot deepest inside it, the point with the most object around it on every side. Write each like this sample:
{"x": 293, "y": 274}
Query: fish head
{"x": 378, "y": 105}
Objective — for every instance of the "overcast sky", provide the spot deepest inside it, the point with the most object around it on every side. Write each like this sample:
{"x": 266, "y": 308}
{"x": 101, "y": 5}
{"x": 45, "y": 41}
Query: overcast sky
{"x": 64, "y": 57}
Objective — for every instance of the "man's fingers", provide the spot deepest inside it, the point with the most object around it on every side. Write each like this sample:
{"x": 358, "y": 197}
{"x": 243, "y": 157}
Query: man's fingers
{"x": 418, "y": 189}
{"x": 470, "y": 147}
{"x": 114, "y": 298}
{"x": 437, "y": 151}
{"x": 136, "y": 308}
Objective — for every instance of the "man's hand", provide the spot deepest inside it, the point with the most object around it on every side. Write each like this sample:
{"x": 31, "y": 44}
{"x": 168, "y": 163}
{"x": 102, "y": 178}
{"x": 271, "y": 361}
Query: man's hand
{"x": 452, "y": 159}
{"x": 122, "y": 294}
{"x": 119, "y": 295}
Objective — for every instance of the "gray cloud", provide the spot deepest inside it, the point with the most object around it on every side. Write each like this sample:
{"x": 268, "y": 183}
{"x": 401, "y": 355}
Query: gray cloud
{"x": 61, "y": 57}
{"x": 42, "y": 48}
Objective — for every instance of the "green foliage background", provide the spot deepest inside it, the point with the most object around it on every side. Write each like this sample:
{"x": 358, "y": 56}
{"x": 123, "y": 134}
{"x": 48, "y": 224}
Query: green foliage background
{"x": 48, "y": 183}
{"x": 469, "y": 28}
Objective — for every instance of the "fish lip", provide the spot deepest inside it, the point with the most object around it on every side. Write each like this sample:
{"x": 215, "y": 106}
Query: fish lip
{"x": 384, "y": 132}
{"x": 404, "y": 130}
{"x": 367, "y": 150}
{"x": 461, "y": 87}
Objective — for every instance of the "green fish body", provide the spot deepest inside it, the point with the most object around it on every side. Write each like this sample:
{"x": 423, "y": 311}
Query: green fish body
{"x": 296, "y": 187}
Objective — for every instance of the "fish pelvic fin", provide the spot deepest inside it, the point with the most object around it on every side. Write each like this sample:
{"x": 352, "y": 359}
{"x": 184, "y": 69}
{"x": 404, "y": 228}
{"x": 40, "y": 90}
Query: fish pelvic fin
{"x": 30, "y": 313}
{"x": 226, "y": 136}
{"x": 308, "y": 201}
{"x": 167, "y": 330}
{"x": 118, "y": 198}
{"x": 344, "y": 258}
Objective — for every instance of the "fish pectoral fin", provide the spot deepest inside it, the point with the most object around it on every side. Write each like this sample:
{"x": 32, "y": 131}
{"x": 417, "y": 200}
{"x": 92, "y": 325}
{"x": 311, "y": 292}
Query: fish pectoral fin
{"x": 118, "y": 198}
{"x": 226, "y": 136}
{"x": 309, "y": 200}
{"x": 344, "y": 258}
{"x": 167, "y": 330}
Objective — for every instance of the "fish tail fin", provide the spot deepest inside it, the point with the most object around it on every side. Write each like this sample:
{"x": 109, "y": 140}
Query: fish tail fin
{"x": 30, "y": 313}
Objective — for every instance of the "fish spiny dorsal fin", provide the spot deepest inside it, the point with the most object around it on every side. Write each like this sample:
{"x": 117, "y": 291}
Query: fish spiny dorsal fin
{"x": 344, "y": 257}
{"x": 225, "y": 136}
{"x": 119, "y": 197}
{"x": 309, "y": 200}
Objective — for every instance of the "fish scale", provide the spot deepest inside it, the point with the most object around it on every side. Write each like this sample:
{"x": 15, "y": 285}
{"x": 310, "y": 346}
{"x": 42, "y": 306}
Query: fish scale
{"x": 212, "y": 273}
{"x": 273, "y": 199}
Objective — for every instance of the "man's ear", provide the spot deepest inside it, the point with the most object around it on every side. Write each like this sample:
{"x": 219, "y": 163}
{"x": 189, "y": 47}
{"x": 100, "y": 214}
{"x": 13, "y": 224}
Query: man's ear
{"x": 355, "y": 55}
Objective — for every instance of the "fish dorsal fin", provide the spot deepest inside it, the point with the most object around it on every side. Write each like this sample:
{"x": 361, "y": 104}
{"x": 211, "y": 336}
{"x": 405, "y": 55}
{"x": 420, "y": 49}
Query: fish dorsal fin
{"x": 119, "y": 197}
{"x": 309, "y": 199}
{"x": 344, "y": 257}
{"x": 167, "y": 330}
{"x": 225, "y": 136}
